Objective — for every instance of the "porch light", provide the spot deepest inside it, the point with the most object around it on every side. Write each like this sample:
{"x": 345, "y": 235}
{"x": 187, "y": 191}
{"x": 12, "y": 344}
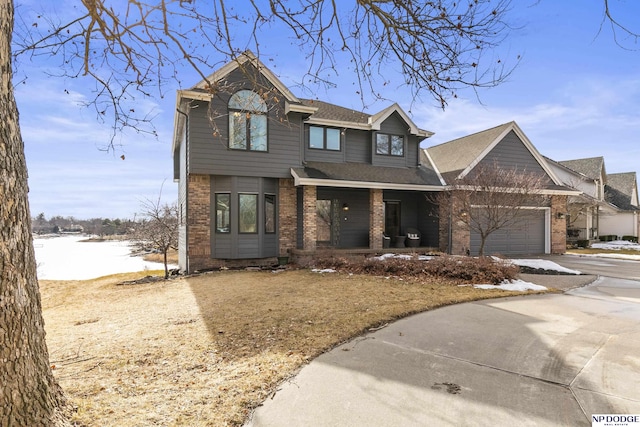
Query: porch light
{"x": 345, "y": 207}
{"x": 560, "y": 215}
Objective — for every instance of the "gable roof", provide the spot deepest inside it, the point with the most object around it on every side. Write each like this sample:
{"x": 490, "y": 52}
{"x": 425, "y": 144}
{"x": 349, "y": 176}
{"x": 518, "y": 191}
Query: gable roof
{"x": 456, "y": 158}
{"x": 621, "y": 190}
{"x": 334, "y": 115}
{"x": 592, "y": 167}
{"x": 239, "y": 61}
{"x": 453, "y": 157}
{"x": 201, "y": 90}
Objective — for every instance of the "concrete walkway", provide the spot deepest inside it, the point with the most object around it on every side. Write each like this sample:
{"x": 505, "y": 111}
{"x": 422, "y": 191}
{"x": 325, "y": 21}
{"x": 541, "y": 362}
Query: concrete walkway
{"x": 548, "y": 360}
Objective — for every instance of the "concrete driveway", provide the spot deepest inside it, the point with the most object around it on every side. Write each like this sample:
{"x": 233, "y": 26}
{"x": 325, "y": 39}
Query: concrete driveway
{"x": 550, "y": 360}
{"x": 609, "y": 267}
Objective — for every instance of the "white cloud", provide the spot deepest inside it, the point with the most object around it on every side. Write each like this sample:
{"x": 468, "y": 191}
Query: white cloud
{"x": 588, "y": 118}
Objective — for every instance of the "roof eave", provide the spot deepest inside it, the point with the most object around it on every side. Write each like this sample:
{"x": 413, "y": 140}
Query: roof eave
{"x": 323, "y": 182}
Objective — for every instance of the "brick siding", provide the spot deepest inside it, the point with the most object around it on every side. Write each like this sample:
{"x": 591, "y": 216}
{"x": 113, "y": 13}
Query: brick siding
{"x": 376, "y": 218}
{"x": 558, "y": 225}
{"x": 287, "y": 216}
{"x": 309, "y": 196}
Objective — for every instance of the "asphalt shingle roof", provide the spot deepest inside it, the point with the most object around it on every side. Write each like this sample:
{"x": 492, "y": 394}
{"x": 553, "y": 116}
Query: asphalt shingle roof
{"x": 591, "y": 167}
{"x": 335, "y": 112}
{"x": 369, "y": 173}
{"x": 620, "y": 188}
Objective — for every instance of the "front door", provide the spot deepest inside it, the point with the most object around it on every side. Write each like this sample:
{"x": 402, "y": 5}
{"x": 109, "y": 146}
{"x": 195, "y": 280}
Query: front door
{"x": 392, "y": 219}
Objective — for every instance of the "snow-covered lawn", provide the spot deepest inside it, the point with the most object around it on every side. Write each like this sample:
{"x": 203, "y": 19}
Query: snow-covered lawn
{"x": 616, "y": 245}
{"x": 67, "y": 258}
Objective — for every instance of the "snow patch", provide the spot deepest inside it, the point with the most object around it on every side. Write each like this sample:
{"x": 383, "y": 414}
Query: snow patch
{"x": 324, "y": 270}
{"x": 514, "y": 285}
{"x": 543, "y": 265}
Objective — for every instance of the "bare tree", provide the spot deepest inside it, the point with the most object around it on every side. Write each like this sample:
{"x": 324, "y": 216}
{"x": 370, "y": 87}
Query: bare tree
{"x": 158, "y": 227}
{"x": 492, "y": 198}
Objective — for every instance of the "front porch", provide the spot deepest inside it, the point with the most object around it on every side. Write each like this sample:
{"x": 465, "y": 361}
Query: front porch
{"x": 359, "y": 219}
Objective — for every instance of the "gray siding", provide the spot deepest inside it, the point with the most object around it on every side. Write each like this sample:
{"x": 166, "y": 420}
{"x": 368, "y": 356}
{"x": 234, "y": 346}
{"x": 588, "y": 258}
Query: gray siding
{"x": 320, "y": 155}
{"x": 358, "y": 146}
{"x": 208, "y": 149}
{"x": 512, "y": 153}
{"x": 524, "y": 238}
{"x": 354, "y": 223}
{"x": 395, "y": 125}
{"x": 234, "y": 245}
{"x": 428, "y": 221}
{"x": 416, "y": 211}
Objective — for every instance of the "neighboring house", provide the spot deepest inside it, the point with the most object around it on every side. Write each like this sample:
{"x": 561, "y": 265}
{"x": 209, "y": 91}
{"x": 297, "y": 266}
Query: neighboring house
{"x": 264, "y": 174}
{"x": 621, "y": 191}
{"x": 608, "y": 205}
{"x": 542, "y": 229}
{"x": 583, "y": 209}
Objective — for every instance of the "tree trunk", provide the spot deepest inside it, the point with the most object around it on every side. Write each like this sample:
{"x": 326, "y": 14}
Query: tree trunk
{"x": 29, "y": 394}
{"x": 166, "y": 268}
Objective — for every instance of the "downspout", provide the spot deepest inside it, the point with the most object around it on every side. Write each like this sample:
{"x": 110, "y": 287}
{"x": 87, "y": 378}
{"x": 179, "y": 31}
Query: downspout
{"x": 186, "y": 189}
{"x": 450, "y": 237}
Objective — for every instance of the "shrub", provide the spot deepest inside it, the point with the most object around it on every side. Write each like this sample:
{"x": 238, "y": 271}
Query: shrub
{"x": 582, "y": 243}
{"x": 632, "y": 239}
{"x": 460, "y": 269}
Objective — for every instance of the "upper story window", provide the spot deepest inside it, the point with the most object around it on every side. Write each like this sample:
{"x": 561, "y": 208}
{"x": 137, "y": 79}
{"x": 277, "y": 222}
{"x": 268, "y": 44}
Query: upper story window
{"x": 247, "y": 121}
{"x": 324, "y": 138}
{"x": 390, "y": 145}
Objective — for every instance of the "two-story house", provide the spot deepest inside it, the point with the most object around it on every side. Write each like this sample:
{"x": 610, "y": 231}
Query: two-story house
{"x": 262, "y": 172}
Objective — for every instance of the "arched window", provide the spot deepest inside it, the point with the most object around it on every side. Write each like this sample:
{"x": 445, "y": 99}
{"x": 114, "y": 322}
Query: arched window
{"x": 247, "y": 121}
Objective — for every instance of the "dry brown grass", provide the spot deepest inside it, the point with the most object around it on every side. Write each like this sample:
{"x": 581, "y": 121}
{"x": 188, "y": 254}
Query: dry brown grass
{"x": 172, "y": 257}
{"x": 205, "y": 350}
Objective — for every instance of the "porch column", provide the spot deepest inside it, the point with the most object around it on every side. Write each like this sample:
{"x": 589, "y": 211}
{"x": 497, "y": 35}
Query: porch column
{"x": 309, "y": 197}
{"x": 376, "y": 218}
{"x": 287, "y": 216}
{"x": 455, "y": 236}
{"x": 558, "y": 225}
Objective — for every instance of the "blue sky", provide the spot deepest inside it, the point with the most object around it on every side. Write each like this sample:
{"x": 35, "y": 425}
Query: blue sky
{"x": 575, "y": 94}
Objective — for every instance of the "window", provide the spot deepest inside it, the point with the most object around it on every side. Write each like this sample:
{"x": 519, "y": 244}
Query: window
{"x": 390, "y": 145}
{"x": 324, "y": 138}
{"x": 222, "y": 213}
{"x": 248, "y": 213}
{"x": 247, "y": 121}
{"x": 269, "y": 213}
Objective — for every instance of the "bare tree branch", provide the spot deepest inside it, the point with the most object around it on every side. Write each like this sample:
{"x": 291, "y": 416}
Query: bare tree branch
{"x": 437, "y": 47}
{"x": 492, "y": 198}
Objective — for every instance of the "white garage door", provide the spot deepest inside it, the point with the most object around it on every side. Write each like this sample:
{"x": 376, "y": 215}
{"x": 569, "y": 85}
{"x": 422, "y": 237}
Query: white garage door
{"x": 525, "y": 237}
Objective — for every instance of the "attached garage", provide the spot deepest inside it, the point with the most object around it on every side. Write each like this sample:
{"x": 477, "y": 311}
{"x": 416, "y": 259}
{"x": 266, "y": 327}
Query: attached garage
{"x": 528, "y": 236}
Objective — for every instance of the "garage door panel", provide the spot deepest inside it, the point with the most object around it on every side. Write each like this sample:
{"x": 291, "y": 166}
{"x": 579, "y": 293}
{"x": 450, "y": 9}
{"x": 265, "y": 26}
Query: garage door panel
{"x": 525, "y": 237}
